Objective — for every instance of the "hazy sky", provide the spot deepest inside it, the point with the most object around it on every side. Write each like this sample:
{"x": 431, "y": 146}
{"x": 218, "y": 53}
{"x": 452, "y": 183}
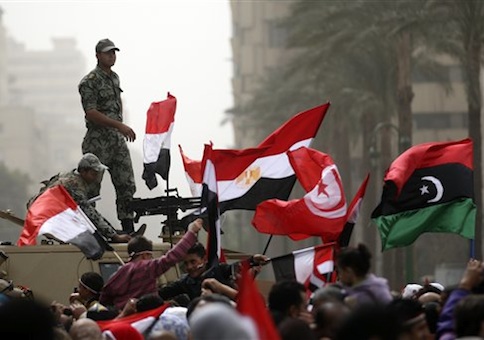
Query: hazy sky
{"x": 177, "y": 46}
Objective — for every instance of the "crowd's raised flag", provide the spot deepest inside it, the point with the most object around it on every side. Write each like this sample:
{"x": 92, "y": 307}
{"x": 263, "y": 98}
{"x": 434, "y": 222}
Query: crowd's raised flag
{"x": 210, "y": 209}
{"x": 269, "y": 175}
{"x": 251, "y": 304}
{"x": 313, "y": 266}
{"x": 321, "y": 212}
{"x": 55, "y": 214}
{"x": 353, "y": 213}
{"x": 160, "y": 120}
{"x": 428, "y": 188}
{"x": 142, "y": 321}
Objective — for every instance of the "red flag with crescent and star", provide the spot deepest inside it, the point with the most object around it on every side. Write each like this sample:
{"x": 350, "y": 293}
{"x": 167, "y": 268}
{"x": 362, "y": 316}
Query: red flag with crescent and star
{"x": 321, "y": 212}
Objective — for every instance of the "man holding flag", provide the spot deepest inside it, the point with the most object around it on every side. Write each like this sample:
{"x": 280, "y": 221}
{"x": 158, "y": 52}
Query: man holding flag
{"x": 77, "y": 182}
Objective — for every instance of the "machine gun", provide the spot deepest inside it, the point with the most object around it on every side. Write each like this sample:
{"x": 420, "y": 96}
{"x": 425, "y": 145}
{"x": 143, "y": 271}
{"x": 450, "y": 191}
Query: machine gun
{"x": 167, "y": 205}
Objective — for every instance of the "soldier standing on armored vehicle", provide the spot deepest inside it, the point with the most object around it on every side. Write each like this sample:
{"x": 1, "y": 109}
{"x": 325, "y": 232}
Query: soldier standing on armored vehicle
{"x": 106, "y": 133}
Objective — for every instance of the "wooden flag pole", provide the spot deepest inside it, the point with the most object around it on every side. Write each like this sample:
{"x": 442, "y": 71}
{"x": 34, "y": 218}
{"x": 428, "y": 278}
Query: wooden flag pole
{"x": 118, "y": 257}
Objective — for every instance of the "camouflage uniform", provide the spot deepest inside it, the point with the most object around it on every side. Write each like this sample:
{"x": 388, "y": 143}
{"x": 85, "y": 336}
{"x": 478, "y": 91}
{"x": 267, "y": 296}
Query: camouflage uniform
{"x": 102, "y": 92}
{"x": 79, "y": 191}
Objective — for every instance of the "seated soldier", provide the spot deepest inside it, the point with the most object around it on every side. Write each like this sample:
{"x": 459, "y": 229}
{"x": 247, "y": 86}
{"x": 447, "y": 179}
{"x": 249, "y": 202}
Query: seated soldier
{"x": 138, "y": 277}
{"x": 78, "y": 182}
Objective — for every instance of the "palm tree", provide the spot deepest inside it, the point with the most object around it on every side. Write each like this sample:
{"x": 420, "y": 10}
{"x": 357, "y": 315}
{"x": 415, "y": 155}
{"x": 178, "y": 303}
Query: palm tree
{"x": 460, "y": 27}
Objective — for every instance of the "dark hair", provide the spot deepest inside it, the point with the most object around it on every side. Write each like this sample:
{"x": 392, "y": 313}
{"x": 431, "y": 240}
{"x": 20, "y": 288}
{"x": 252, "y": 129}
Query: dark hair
{"x": 369, "y": 322}
{"x": 427, "y": 288}
{"x": 432, "y": 311}
{"x": 284, "y": 294}
{"x": 295, "y": 329}
{"x": 357, "y": 259}
{"x": 148, "y": 301}
{"x": 93, "y": 281}
{"x": 468, "y": 315}
{"x": 197, "y": 249}
{"x": 26, "y": 319}
{"x": 405, "y": 310}
{"x": 138, "y": 244}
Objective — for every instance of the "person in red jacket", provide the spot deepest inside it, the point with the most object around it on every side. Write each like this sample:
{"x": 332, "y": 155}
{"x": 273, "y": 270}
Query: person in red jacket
{"x": 138, "y": 277}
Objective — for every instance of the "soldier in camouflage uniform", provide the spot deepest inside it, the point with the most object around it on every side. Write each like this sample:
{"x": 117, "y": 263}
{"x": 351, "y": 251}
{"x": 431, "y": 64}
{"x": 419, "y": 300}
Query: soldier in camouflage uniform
{"x": 77, "y": 182}
{"x": 106, "y": 133}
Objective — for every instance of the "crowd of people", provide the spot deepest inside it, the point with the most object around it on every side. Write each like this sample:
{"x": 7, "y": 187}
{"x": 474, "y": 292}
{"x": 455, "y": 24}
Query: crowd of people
{"x": 202, "y": 304}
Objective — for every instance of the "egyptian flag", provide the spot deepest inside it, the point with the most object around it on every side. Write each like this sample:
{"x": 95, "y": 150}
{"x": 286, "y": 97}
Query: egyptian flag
{"x": 193, "y": 173}
{"x": 209, "y": 207}
{"x": 251, "y": 304}
{"x": 321, "y": 212}
{"x": 243, "y": 185}
{"x": 142, "y": 321}
{"x": 428, "y": 188}
{"x": 160, "y": 120}
{"x": 353, "y": 213}
{"x": 313, "y": 266}
{"x": 57, "y": 215}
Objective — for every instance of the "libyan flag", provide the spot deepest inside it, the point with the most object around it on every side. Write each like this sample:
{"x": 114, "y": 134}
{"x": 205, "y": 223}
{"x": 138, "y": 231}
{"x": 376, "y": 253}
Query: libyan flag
{"x": 428, "y": 188}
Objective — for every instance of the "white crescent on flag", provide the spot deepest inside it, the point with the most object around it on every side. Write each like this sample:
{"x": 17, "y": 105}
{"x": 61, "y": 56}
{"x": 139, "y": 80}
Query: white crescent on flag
{"x": 327, "y": 198}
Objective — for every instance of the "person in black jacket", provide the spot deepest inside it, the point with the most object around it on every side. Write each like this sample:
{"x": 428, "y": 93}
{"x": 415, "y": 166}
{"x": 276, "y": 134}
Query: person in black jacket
{"x": 197, "y": 270}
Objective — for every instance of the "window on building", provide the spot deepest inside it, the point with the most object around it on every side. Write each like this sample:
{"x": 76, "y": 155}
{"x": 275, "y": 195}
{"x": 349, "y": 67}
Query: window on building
{"x": 277, "y": 35}
{"x": 453, "y": 74}
{"x": 440, "y": 120}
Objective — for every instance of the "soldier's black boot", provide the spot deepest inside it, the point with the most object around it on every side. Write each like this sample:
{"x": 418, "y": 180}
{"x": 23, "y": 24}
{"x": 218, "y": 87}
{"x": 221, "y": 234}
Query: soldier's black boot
{"x": 128, "y": 225}
{"x": 140, "y": 232}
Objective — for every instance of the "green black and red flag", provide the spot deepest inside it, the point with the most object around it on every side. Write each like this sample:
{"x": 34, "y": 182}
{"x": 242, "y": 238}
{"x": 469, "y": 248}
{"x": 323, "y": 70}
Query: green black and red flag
{"x": 428, "y": 188}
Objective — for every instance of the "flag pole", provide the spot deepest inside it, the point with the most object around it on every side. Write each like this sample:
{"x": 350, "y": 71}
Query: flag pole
{"x": 118, "y": 257}
{"x": 167, "y": 217}
{"x": 267, "y": 245}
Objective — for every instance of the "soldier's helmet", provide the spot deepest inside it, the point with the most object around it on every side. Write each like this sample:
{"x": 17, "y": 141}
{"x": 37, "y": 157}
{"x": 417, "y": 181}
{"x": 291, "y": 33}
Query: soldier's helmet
{"x": 90, "y": 161}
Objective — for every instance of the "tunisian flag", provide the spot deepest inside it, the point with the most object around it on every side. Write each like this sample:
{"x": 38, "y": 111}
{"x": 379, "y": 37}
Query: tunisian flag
{"x": 268, "y": 174}
{"x": 321, "y": 212}
{"x": 160, "y": 120}
{"x": 56, "y": 214}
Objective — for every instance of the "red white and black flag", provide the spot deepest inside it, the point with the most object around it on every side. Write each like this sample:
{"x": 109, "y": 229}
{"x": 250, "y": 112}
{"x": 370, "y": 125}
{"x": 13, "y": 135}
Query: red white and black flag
{"x": 243, "y": 184}
{"x": 210, "y": 209}
{"x": 55, "y": 213}
{"x": 321, "y": 212}
{"x": 313, "y": 266}
{"x": 160, "y": 120}
{"x": 142, "y": 321}
{"x": 193, "y": 173}
{"x": 353, "y": 213}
